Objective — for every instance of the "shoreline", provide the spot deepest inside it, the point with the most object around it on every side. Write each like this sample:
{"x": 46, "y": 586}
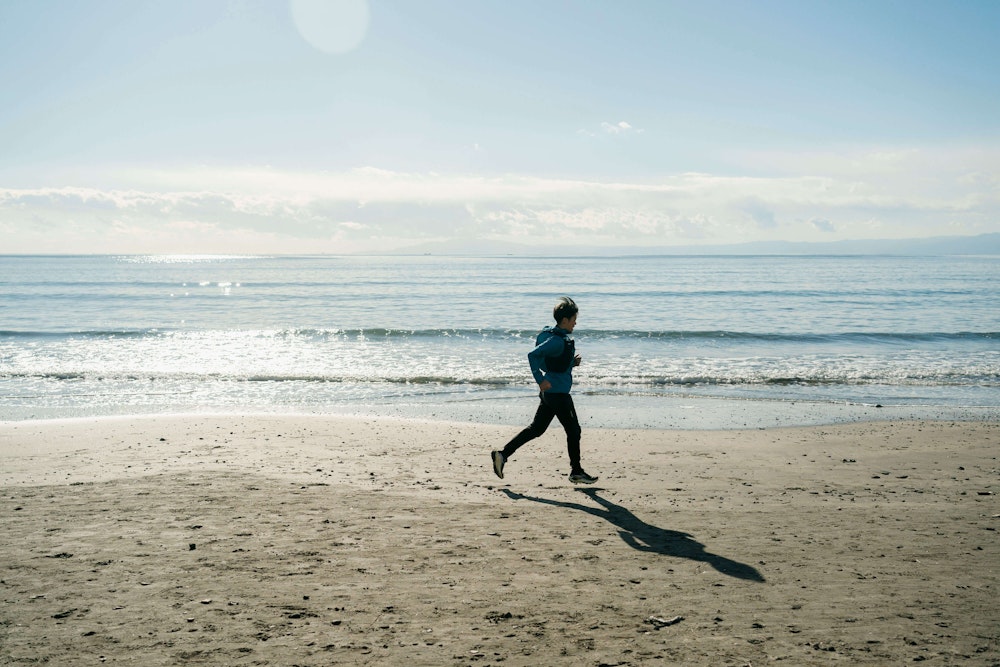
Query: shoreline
{"x": 596, "y": 411}
{"x": 272, "y": 539}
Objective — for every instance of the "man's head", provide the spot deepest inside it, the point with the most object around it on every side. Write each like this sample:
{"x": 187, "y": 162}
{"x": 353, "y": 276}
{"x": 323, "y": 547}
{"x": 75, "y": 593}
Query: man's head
{"x": 565, "y": 313}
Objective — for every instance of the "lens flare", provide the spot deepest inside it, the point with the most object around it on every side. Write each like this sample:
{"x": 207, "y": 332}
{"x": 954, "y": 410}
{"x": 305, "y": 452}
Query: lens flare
{"x": 332, "y": 26}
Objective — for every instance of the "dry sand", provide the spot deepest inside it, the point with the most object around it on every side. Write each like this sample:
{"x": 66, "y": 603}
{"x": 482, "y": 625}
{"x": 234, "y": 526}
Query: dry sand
{"x": 290, "y": 540}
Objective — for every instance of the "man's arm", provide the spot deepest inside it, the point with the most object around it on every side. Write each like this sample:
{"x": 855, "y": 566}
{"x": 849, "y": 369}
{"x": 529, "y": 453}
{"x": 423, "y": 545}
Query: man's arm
{"x": 549, "y": 347}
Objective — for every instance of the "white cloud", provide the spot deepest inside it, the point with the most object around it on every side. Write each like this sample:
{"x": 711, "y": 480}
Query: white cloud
{"x": 621, "y": 127}
{"x": 616, "y": 128}
{"x": 759, "y": 211}
{"x": 870, "y": 194}
{"x": 823, "y": 225}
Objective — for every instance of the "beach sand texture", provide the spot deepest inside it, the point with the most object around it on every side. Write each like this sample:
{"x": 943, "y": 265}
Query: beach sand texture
{"x": 305, "y": 540}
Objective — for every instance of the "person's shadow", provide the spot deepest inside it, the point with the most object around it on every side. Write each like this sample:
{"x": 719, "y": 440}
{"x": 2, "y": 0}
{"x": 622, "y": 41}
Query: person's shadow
{"x": 645, "y": 537}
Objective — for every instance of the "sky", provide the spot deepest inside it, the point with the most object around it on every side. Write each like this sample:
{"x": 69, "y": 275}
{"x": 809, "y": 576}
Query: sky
{"x": 341, "y": 126}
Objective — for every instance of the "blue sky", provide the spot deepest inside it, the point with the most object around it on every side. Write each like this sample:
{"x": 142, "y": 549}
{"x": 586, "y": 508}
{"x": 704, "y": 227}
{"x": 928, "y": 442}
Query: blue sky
{"x": 345, "y": 125}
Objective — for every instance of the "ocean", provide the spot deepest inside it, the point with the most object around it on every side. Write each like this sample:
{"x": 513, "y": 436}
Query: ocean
{"x": 667, "y": 342}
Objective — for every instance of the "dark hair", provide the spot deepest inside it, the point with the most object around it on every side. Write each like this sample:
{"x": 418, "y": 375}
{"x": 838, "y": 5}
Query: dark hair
{"x": 565, "y": 307}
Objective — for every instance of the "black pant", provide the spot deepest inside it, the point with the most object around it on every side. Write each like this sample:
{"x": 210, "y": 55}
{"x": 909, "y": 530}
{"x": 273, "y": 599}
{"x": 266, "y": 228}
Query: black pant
{"x": 549, "y": 406}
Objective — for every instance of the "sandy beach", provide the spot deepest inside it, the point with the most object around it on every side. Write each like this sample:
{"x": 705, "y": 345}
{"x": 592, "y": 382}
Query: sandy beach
{"x": 305, "y": 540}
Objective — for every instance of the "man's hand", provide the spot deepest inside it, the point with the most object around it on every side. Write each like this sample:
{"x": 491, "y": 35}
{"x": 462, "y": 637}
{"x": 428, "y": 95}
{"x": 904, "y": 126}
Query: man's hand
{"x": 544, "y": 385}
{"x": 577, "y": 359}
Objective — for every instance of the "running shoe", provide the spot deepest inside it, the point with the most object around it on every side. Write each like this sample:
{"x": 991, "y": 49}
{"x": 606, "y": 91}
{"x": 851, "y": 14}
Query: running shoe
{"x": 498, "y": 461}
{"x": 580, "y": 477}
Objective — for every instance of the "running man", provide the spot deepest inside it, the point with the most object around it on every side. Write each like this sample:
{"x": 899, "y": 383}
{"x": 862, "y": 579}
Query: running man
{"x": 552, "y": 362}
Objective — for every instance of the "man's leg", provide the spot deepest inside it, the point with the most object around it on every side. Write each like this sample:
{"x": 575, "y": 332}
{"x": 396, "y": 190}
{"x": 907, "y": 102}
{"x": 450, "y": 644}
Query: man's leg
{"x": 565, "y": 411}
{"x": 543, "y": 417}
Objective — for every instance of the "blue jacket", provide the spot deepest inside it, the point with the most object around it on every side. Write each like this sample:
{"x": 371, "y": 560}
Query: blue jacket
{"x": 552, "y": 347}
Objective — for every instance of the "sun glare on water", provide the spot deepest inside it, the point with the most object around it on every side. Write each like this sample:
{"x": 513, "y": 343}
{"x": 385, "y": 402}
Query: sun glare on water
{"x": 179, "y": 259}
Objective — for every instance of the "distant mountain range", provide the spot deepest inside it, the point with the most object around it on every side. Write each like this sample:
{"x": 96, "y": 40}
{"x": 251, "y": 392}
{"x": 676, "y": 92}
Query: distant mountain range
{"x": 983, "y": 244}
